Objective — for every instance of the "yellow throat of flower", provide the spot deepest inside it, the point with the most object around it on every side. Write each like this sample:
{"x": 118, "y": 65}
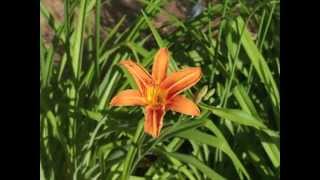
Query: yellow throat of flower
{"x": 155, "y": 96}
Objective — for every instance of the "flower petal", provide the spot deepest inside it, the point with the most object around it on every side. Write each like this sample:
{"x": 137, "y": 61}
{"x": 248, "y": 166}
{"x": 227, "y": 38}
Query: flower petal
{"x": 140, "y": 75}
{"x": 153, "y": 120}
{"x": 160, "y": 65}
{"x": 183, "y": 105}
{"x": 181, "y": 80}
{"x": 128, "y": 97}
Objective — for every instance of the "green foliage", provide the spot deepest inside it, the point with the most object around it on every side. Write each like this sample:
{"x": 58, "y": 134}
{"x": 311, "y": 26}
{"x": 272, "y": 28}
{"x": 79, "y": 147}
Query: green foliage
{"x": 235, "y": 137}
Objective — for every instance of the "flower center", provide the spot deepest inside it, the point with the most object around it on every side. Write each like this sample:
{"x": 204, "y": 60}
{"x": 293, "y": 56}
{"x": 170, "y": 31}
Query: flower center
{"x": 155, "y": 96}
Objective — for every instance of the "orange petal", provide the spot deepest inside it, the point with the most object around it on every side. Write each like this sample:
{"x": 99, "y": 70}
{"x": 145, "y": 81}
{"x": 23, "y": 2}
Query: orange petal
{"x": 160, "y": 65}
{"x": 183, "y": 105}
{"x": 181, "y": 80}
{"x": 153, "y": 120}
{"x": 128, "y": 97}
{"x": 140, "y": 75}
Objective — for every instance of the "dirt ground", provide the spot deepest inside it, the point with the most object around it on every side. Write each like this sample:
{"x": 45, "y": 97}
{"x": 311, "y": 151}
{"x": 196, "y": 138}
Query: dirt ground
{"x": 113, "y": 10}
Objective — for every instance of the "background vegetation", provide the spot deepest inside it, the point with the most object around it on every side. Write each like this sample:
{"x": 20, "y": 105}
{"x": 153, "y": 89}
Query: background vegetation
{"x": 235, "y": 42}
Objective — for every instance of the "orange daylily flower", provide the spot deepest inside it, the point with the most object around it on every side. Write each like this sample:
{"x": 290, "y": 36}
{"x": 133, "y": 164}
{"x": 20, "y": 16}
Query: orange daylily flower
{"x": 158, "y": 92}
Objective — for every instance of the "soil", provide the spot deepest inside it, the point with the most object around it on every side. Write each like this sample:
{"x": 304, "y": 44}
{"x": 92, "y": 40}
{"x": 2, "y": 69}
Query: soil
{"x": 113, "y": 10}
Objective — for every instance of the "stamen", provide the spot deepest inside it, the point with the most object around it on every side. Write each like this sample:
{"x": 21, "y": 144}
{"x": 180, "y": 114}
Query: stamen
{"x": 155, "y": 96}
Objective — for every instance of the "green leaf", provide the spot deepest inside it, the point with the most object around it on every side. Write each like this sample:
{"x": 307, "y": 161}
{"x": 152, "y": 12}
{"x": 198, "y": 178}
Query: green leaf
{"x": 136, "y": 178}
{"x": 268, "y": 144}
{"x": 244, "y": 101}
{"x": 154, "y": 31}
{"x": 132, "y": 151}
{"x": 42, "y": 177}
{"x": 188, "y": 159}
{"x": 257, "y": 60}
{"x": 112, "y": 33}
{"x": 237, "y": 116}
{"x": 77, "y": 42}
{"x": 217, "y": 142}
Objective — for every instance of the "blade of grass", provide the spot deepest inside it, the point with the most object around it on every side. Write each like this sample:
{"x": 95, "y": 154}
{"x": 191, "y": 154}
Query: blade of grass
{"x": 42, "y": 176}
{"x": 217, "y": 142}
{"x": 107, "y": 92}
{"x": 97, "y": 47}
{"x": 155, "y": 33}
{"x": 181, "y": 168}
{"x": 42, "y": 62}
{"x": 195, "y": 162}
{"x": 47, "y": 71}
{"x": 237, "y": 116}
{"x": 112, "y": 33}
{"x": 258, "y": 61}
{"x": 264, "y": 35}
{"x": 77, "y": 42}
{"x": 269, "y": 146}
{"x": 132, "y": 151}
{"x": 138, "y": 24}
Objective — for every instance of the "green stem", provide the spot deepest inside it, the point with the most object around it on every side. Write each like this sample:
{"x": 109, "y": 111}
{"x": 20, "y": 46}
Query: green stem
{"x": 98, "y": 10}
{"x": 127, "y": 166}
